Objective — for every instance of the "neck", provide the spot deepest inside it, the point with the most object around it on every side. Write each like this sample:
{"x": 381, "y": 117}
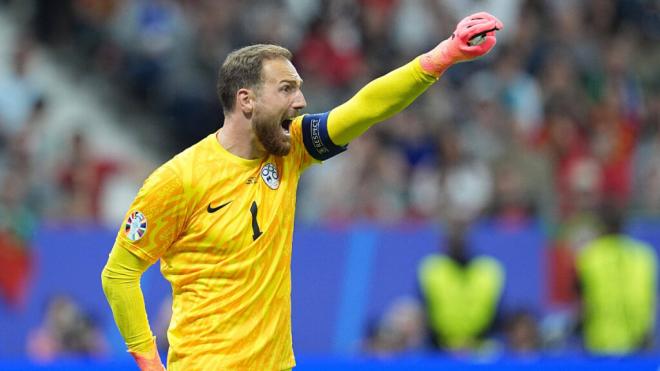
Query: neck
{"x": 238, "y": 138}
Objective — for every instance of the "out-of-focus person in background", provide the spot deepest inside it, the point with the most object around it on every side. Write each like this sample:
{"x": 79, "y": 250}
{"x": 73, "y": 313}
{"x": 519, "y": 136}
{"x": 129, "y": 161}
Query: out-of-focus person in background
{"x": 18, "y": 93}
{"x": 17, "y": 227}
{"x": 81, "y": 178}
{"x": 253, "y": 162}
{"x": 401, "y": 330}
{"x": 618, "y": 285}
{"x": 66, "y": 332}
{"x": 522, "y": 334}
{"x": 465, "y": 181}
{"x": 461, "y": 292}
{"x": 646, "y": 186}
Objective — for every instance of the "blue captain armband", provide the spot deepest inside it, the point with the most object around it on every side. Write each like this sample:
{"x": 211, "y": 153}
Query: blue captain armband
{"x": 316, "y": 139}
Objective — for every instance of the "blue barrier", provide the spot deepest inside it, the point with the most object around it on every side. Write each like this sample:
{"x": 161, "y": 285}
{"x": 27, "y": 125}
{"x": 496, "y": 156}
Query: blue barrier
{"x": 69, "y": 261}
{"x": 393, "y": 364}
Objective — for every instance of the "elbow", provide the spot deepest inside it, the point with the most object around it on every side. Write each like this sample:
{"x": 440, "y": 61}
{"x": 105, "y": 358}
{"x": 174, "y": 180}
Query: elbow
{"x": 114, "y": 278}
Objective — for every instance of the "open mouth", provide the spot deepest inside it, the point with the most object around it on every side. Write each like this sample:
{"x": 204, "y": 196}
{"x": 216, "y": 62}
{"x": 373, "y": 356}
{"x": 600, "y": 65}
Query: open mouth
{"x": 286, "y": 124}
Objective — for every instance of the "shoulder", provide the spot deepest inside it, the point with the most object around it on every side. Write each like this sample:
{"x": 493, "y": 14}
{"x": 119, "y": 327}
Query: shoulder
{"x": 165, "y": 181}
{"x": 643, "y": 250}
{"x": 203, "y": 148}
{"x": 432, "y": 262}
{"x": 589, "y": 254}
{"x": 181, "y": 165}
{"x": 489, "y": 264}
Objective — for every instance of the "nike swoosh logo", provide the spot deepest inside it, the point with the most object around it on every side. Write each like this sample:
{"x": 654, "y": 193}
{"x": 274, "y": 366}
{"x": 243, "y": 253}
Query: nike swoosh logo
{"x": 211, "y": 210}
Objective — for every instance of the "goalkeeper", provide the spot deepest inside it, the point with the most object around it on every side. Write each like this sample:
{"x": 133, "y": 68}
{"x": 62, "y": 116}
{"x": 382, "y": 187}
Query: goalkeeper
{"x": 219, "y": 215}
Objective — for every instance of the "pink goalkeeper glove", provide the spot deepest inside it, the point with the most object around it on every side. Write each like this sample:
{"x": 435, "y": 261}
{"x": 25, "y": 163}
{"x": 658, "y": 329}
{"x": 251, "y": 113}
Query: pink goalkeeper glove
{"x": 477, "y": 29}
{"x": 148, "y": 361}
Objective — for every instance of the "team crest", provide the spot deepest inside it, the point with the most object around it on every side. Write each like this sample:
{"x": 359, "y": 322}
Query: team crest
{"x": 136, "y": 226}
{"x": 269, "y": 175}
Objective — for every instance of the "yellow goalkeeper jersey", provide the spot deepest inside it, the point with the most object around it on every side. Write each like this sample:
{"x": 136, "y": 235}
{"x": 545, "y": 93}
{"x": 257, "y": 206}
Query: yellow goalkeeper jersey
{"x": 223, "y": 227}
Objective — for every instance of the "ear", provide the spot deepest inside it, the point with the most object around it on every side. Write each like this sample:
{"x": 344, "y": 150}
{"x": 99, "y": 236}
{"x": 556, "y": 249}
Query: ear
{"x": 245, "y": 100}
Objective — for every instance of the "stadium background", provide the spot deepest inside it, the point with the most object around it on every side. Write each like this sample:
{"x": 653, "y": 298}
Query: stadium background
{"x": 522, "y": 144}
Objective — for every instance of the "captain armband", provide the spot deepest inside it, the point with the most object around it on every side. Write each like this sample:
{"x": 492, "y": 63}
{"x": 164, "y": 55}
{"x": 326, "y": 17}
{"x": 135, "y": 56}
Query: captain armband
{"x": 316, "y": 139}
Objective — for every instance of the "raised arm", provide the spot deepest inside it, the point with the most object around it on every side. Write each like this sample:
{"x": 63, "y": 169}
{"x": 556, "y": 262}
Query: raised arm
{"x": 121, "y": 285}
{"x": 387, "y": 95}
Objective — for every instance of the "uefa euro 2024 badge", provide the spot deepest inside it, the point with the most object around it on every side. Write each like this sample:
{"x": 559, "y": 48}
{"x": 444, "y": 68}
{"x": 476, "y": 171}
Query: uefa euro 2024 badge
{"x": 269, "y": 175}
{"x": 136, "y": 226}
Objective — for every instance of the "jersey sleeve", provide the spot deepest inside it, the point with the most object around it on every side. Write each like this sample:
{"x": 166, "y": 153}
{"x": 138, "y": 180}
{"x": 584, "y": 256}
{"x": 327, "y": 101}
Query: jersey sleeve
{"x": 156, "y": 217}
{"x": 377, "y": 101}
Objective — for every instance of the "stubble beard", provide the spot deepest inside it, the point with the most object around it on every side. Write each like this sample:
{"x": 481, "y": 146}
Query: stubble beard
{"x": 269, "y": 133}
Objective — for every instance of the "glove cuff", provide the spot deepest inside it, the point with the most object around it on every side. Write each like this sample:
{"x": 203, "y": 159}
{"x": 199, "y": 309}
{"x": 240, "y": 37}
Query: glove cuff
{"x": 436, "y": 61}
{"x": 149, "y": 360}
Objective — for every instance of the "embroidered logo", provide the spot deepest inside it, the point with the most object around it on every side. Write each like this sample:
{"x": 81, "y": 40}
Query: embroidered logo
{"x": 211, "y": 210}
{"x": 269, "y": 175}
{"x": 136, "y": 226}
{"x": 316, "y": 137}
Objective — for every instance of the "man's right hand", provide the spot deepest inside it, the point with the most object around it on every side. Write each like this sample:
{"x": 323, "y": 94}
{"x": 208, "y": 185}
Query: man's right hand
{"x": 457, "y": 47}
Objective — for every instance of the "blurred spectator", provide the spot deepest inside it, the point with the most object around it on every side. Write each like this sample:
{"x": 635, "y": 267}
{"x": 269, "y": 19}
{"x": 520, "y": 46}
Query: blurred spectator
{"x": 618, "y": 277}
{"x": 384, "y": 187}
{"x": 512, "y": 203}
{"x": 402, "y": 329}
{"x": 519, "y": 93}
{"x": 486, "y": 132}
{"x": 413, "y": 26}
{"x": 81, "y": 180}
{"x": 17, "y": 226}
{"x": 557, "y": 331}
{"x": 576, "y": 173}
{"x": 155, "y": 36}
{"x": 424, "y": 192}
{"x": 462, "y": 294}
{"x": 612, "y": 144}
{"x": 465, "y": 181}
{"x": 330, "y": 203}
{"x": 646, "y": 194}
{"x": 409, "y": 134}
{"x": 522, "y": 333}
{"x": 572, "y": 234}
{"x": 65, "y": 332}
{"x": 331, "y": 50}
{"x": 18, "y": 93}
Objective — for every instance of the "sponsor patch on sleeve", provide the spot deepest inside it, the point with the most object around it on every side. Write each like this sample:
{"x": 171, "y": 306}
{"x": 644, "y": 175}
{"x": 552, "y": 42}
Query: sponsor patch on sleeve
{"x": 135, "y": 226}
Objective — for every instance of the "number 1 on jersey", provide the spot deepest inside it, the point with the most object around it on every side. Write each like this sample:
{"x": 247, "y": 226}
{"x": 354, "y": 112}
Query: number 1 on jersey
{"x": 256, "y": 232}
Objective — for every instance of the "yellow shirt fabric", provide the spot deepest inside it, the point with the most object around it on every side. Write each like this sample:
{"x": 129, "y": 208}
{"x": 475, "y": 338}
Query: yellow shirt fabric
{"x": 229, "y": 267}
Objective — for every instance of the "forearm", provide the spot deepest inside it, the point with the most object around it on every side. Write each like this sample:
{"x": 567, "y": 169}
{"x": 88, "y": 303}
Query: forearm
{"x": 377, "y": 101}
{"x": 388, "y": 95}
{"x": 121, "y": 285}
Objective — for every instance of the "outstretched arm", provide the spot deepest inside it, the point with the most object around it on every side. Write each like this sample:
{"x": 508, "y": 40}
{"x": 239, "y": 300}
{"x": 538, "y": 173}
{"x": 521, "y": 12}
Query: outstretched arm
{"x": 121, "y": 285}
{"x": 390, "y": 94}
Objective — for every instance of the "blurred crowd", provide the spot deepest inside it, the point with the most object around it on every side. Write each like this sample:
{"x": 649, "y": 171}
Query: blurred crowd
{"x": 562, "y": 115}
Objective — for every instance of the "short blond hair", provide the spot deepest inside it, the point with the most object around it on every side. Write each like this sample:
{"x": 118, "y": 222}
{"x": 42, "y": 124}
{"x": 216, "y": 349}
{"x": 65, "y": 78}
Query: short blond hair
{"x": 242, "y": 69}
